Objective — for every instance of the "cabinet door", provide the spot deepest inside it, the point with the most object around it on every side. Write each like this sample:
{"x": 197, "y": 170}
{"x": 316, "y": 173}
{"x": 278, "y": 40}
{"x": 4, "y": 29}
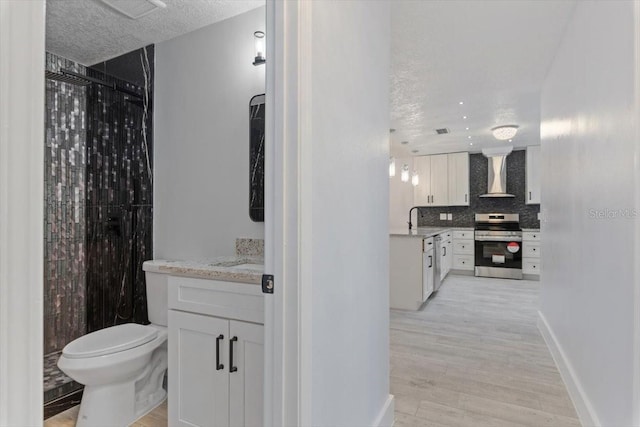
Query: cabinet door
{"x": 458, "y": 179}
{"x": 246, "y": 376}
{"x": 428, "y": 264}
{"x": 422, "y": 191}
{"x": 533, "y": 175}
{"x": 439, "y": 180}
{"x": 198, "y": 389}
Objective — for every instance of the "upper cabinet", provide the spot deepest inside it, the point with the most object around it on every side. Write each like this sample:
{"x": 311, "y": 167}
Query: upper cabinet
{"x": 432, "y": 188}
{"x": 444, "y": 180}
{"x": 458, "y": 179}
{"x": 532, "y": 196}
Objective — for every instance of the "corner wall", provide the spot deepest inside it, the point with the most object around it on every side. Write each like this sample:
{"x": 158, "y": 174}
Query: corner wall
{"x": 203, "y": 84}
{"x": 589, "y": 190}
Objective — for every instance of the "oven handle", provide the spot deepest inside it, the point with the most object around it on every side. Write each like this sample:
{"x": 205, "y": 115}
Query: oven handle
{"x": 498, "y": 239}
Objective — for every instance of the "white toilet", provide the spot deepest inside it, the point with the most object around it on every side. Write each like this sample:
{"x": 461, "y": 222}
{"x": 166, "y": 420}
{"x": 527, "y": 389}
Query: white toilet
{"x": 122, "y": 367}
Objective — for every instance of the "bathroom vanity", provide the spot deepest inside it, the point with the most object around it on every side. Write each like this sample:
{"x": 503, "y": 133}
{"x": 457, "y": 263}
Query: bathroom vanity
{"x": 216, "y": 341}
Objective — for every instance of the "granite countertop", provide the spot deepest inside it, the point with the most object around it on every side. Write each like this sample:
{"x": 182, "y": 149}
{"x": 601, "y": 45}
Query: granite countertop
{"x": 421, "y": 232}
{"x": 531, "y": 229}
{"x": 239, "y": 268}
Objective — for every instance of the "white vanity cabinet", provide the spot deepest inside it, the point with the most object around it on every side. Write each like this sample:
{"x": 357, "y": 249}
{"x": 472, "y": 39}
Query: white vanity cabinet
{"x": 216, "y": 340}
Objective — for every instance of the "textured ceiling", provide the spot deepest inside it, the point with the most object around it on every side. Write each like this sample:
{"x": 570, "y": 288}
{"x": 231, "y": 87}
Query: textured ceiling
{"x": 491, "y": 55}
{"x": 88, "y": 31}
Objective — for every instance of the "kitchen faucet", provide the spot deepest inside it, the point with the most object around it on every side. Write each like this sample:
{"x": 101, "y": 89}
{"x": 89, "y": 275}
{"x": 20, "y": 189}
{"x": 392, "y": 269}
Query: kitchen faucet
{"x": 410, "y": 210}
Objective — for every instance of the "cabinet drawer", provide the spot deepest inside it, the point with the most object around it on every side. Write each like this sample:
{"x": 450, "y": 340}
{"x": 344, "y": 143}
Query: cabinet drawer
{"x": 531, "y": 266}
{"x": 463, "y": 262}
{"x": 463, "y": 247}
{"x": 530, "y": 250}
{"x": 463, "y": 234}
{"x": 231, "y": 300}
{"x": 531, "y": 236}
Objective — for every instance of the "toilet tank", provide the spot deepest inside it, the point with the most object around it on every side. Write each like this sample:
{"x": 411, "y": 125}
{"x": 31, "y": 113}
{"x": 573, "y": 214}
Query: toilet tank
{"x": 157, "y": 290}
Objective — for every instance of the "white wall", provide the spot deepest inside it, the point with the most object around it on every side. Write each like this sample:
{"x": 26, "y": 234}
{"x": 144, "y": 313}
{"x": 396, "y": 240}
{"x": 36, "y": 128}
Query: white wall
{"x": 589, "y": 165}
{"x": 348, "y": 220}
{"x": 203, "y": 83}
{"x": 401, "y": 198}
{"x": 21, "y": 210}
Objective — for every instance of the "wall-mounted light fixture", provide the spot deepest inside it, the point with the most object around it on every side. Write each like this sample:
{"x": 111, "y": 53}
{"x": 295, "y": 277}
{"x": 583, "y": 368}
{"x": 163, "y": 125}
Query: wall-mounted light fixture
{"x": 404, "y": 175}
{"x": 258, "y": 39}
{"x": 415, "y": 179}
{"x": 392, "y": 166}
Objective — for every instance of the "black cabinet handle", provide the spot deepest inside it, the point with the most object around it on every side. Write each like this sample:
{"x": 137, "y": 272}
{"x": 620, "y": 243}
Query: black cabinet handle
{"x": 430, "y": 261}
{"x": 218, "y": 364}
{"x": 529, "y": 195}
{"x": 465, "y": 198}
{"x": 445, "y": 251}
{"x": 231, "y": 367}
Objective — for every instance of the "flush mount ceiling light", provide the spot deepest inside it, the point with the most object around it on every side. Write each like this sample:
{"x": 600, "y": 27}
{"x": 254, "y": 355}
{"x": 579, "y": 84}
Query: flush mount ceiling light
{"x": 135, "y": 9}
{"x": 504, "y": 132}
{"x": 258, "y": 39}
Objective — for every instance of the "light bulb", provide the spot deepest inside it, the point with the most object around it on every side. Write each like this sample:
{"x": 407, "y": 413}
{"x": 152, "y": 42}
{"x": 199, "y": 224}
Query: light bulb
{"x": 404, "y": 175}
{"x": 392, "y": 166}
{"x": 415, "y": 179}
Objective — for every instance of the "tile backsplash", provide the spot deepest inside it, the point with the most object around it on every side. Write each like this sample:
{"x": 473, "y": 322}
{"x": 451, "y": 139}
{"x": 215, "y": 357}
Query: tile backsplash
{"x": 464, "y": 216}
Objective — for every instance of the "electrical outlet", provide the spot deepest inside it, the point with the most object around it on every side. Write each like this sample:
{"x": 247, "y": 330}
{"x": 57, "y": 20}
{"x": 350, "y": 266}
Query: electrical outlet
{"x": 450, "y": 217}
{"x": 443, "y": 216}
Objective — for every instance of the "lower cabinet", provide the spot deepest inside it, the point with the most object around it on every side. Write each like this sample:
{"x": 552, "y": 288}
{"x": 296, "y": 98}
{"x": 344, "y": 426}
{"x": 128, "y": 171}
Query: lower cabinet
{"x": 531, "y": 261}
{"x": 215, "y": 363}
{"x": 463, "y": 250}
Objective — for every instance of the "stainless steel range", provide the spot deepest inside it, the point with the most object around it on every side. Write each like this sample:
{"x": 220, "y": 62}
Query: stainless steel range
{"x": 498, "y": 246}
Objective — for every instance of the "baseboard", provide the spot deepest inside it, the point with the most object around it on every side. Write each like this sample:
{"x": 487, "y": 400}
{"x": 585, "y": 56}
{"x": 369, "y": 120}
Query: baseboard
{"x": 386, "y": 416}
{"x": 586, "y": 412}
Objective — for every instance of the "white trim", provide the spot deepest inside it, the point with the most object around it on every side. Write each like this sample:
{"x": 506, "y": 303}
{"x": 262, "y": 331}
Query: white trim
{"x": 636, "y": 337}
{"x": 287, "y": 215}
{"x": 584, "y": 408}
{"x": 22, "y": 52}
{"x": 386, "y": 417}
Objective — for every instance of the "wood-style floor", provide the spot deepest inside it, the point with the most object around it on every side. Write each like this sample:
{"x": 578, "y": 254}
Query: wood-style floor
{"x": 474, "y": 357}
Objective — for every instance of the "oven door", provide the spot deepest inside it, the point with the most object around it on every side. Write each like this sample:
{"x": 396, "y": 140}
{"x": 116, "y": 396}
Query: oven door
{"x": 496, "y": 257}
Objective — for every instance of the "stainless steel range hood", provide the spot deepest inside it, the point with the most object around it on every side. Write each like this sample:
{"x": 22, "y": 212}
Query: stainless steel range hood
{"x": 497, "y": 176}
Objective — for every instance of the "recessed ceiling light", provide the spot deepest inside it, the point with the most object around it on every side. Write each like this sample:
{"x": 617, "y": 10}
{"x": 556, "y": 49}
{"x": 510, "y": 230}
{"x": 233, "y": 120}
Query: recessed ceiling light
{"x": 469, "y": 137}
{"x": 510, "y": 140}
{"x": 464, "y": 117}
{"x": 504, "y": 132}
{"x": 461, "y": 102}
{"x": 466, "y": 128}
{"x": 471, "y": 143}
{"x": 404, "y": 142}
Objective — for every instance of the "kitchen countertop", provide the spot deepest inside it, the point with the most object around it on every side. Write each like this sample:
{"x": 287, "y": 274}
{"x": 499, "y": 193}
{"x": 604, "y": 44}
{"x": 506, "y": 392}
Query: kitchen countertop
{"x": 531, "y": 229}
{"x": 243, "y": 269}
{"x": 421, "y": 232}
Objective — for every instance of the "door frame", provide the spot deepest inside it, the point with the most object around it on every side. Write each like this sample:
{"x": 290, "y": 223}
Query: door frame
{"x": 288, "y": 214}
{"x": 22, "y": 62}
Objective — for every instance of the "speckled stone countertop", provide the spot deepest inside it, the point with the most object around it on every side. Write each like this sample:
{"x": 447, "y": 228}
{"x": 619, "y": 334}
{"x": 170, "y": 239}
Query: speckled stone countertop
{"x": 531, "y": 229}
{"x": 421, "y": 232}
{"x": 243, "y": 269}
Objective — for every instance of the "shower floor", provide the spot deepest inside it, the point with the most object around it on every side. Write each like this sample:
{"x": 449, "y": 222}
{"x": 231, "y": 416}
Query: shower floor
{"x": 56, "y": 384}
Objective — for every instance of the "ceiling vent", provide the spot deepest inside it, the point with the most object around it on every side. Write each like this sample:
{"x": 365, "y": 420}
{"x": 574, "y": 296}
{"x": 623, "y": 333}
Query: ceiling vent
{"x": 442, "y": 131}
{"x": 135, "y": 9}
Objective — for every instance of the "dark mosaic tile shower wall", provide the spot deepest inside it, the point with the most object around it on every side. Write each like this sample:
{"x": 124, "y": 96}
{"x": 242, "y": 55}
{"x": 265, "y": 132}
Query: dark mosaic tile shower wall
{"x": 119, "y": 194}
{"x": 64, "y": 224}
{"x": 463, "y": 216}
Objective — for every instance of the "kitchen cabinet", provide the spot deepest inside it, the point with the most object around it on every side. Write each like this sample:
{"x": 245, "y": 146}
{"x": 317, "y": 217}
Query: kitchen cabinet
{"x": 532, "y": 195}
{"x": 458, "y": 179}
{"x": 428, "y": 268}
{"x": 531, "y": 261}
{"x": 463, "y": 250}
{"x": 216, "y": 353}
{"x": 409, "y": 286}
{"x": 432, "y": 189}
{"x": 446, "y": 255}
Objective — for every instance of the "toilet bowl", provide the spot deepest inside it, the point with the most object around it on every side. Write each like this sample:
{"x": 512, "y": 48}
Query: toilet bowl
{"x": 122, "y": 367}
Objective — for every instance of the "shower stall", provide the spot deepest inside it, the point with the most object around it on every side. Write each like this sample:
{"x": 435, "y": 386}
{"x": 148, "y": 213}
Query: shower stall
{"x": 98, "y": 203}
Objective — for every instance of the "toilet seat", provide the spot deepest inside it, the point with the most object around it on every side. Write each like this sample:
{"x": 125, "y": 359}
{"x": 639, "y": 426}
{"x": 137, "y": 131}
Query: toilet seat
{"x": 110, "y": 340}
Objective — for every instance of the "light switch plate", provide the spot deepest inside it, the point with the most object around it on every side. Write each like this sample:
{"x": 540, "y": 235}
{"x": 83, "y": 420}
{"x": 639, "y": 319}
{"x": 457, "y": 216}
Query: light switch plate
{"x": 443, "y": 216}
{"x": 449, "y": 217}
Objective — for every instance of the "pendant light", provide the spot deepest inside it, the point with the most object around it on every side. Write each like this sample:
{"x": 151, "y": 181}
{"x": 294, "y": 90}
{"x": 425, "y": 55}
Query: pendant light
{"x": 392, "y": 166}
{"x": 259, "y": 41}
{"x": 415, "y": 179}
{"x": 404, "y": 175}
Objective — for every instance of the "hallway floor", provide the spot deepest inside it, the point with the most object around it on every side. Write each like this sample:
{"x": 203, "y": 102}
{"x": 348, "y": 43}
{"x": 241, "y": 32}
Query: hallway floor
{"x": 474, "y": 357}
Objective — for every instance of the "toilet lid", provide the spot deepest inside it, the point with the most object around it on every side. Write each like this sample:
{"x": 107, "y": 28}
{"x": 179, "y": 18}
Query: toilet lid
{"x": 110, "y": 340}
